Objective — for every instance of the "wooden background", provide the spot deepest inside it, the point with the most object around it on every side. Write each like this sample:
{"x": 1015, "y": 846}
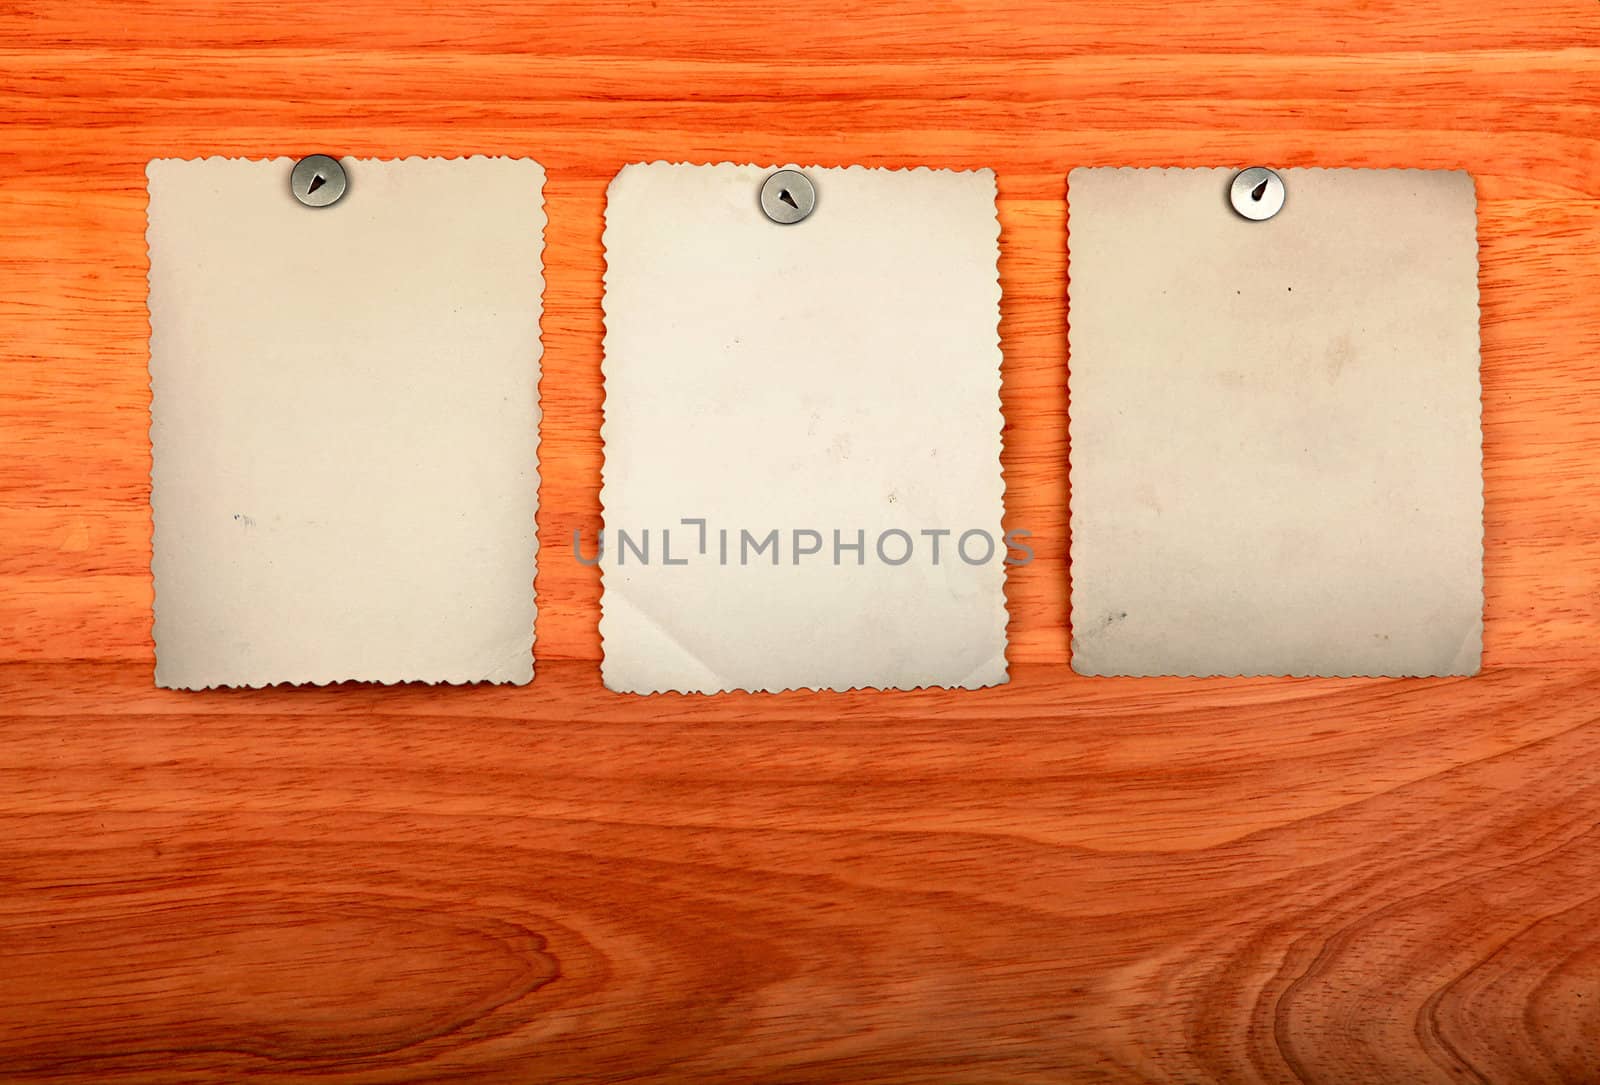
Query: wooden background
{"x": 1064, "y": 879}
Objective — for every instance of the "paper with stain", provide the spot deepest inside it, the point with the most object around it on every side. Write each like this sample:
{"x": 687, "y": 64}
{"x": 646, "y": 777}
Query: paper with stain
{"x": 836, "y": 375}
{"x": 1275, "y": 440}
{"x": 344, "y": 422}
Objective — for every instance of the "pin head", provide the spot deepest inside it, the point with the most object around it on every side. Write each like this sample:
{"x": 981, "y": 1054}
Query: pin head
{"x": 317, "y": 180}
{"x": 1256, "y": 193}
{"x": 787, "y": 197}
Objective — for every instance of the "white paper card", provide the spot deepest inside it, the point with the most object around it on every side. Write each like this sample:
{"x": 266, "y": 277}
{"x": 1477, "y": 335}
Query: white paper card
{"x": 836, "y": 375}
{"x": 345, "y": 422}
{"x": 1275, "y": 440}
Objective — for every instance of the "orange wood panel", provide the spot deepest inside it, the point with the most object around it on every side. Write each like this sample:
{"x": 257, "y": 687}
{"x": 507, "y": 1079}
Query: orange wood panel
{"x": 1062, "y": 879}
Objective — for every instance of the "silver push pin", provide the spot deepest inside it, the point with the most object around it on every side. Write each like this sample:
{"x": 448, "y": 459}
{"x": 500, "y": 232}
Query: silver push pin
{"x": 317, "y": 181}
{"x": 1256, "y": 193}
{"x": 787, "y": 196}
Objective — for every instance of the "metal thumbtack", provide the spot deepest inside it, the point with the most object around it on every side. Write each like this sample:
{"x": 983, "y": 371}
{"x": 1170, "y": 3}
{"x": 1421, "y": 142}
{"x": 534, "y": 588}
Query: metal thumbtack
{"x": 317, "y": 180}
{"x": 787, "y": 196}
{"x": 1256, "y": 193}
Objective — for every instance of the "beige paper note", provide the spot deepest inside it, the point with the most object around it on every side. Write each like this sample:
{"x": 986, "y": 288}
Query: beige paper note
{"x": 345, "y": 422}
{"x": 828, "y": 388}
{"x": 1275, "y": 441}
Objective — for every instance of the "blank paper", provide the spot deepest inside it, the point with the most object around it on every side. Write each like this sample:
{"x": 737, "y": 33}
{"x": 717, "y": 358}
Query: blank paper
{"x": 1275, "y": 442}
{"x": 833, "y": 381}
{"x": 345, "y": 422}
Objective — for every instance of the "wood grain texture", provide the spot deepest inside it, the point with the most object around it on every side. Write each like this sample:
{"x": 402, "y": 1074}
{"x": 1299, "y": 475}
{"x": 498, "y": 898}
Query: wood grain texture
{"x": 1063, "y": 879}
